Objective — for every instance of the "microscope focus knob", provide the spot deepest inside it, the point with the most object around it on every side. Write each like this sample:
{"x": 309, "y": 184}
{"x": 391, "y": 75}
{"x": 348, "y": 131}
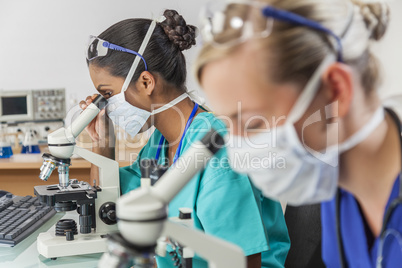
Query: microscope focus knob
{"x": 111, "y": 215}
{"x": 107, "y": 213}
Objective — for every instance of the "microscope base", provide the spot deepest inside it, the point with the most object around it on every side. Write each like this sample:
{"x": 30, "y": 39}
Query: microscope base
{"x": 52, "y": 246}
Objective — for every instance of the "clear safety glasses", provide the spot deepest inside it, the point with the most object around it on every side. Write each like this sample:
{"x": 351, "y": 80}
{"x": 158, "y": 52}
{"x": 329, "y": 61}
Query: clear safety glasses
{"x": 228, "y": 23}
{"x": 99, "y": 48}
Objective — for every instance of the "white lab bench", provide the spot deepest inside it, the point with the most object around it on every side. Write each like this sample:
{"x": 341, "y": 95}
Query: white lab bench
{"x": 25, "y": 254}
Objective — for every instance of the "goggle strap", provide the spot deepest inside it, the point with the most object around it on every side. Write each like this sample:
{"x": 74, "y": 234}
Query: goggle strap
{"x": 290, "y": 17}
{"x": 119, "y": 48}
{"x": 141, "y": 52}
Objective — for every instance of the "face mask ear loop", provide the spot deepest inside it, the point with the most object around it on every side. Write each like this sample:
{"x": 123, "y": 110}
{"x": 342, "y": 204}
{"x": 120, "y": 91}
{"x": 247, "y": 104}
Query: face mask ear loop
{"x": 141, "y": 52}
{"x": 170, "y": 104}
{"x": 309, "y": 92}
{"x": 364, "y": 132}
{"x": 195, "y": 97}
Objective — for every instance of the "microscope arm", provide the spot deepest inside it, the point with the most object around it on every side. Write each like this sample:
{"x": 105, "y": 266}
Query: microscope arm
{"x": 108, "y": 168}
{"x": 217, "y": 252}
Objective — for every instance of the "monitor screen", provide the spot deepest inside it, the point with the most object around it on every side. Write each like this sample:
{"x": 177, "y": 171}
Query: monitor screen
{"x": 14, "y": 105}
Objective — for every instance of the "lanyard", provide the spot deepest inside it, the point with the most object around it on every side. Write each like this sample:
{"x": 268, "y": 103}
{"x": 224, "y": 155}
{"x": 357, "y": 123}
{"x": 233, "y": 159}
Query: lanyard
{"x": 190, "y": 119}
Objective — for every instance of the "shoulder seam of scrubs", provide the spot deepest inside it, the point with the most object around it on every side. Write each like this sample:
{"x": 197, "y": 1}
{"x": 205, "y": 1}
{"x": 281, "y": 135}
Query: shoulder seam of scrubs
{"x": 227, "y": 170}
{"x": 212, "y": 120}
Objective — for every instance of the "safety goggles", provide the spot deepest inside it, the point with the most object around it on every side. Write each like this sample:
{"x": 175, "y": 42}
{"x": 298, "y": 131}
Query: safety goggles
{"x": 229, "y": 23}
{"x": 99, "y": 48}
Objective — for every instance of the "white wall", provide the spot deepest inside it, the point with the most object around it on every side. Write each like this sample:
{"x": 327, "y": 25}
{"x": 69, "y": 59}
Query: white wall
{"x": 389, "y": 51}
{"x": 42, "y": 42}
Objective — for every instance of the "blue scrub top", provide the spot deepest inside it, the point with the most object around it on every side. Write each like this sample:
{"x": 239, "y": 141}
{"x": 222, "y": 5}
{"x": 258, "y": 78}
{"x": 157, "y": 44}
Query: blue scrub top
{"x": 356, "y": 249}
{"x": 225, "y": 204}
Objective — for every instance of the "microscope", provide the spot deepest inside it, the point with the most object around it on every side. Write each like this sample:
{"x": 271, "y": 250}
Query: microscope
{"x": 142, "y": 217}
{"x": 94, "y": 203}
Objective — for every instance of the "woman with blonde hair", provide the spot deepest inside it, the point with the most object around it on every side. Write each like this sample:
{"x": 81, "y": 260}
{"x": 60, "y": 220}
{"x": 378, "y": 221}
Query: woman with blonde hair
{"x": 299, "y": 82}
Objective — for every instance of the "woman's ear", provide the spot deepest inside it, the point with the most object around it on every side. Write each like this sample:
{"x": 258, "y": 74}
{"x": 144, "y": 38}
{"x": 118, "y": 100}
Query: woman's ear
{"x": 338, "y": 81}
{"x": 146, "y": 83}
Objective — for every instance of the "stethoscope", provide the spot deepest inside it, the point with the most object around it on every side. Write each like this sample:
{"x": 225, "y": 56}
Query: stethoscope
{"x": 394, "y": 204}
{"x": 161, "y": 141}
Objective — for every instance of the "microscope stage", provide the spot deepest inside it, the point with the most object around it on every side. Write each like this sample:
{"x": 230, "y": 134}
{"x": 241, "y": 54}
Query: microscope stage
{"x": 52, "y": 194}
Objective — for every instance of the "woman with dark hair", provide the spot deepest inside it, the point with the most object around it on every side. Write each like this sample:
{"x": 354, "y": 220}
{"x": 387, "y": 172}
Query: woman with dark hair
{"x": 138, "y": 65}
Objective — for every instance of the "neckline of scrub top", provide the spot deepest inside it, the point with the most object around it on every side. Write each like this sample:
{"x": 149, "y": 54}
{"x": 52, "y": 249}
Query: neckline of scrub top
{"x": 189, "y": 121}
{"x": 360, "y": 254}
{"x": 353, "y": 235}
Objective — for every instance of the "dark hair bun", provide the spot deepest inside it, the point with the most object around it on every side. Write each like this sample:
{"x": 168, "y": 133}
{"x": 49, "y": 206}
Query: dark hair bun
{"x": 176, "y": 28}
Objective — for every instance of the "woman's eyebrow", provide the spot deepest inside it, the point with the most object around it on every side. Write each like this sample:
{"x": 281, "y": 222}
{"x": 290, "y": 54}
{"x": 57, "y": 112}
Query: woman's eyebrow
{"x": 102, "y": 85}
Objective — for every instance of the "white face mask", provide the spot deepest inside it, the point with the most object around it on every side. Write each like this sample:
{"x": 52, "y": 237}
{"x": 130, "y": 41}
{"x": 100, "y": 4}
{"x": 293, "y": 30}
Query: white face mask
{"x": 282, "y": 167}
{"x": 132, "y": 118}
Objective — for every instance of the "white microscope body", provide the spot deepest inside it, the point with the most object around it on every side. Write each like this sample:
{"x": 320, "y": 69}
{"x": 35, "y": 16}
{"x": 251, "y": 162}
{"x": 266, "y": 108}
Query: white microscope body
{"x": 97, "y": 203}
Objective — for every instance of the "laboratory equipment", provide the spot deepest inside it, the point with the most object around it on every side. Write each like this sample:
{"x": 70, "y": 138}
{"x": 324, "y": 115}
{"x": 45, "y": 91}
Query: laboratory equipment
{"x": 30, "y": 145}
{"x": 94, "y": 203}
{"x": 5, "y": 147}
{"x": 32, "y": 105}
{"x": 5, "y": 150}
{"x": 142, "y": 215}
{"x": 20, "y": 216}
{"x": 16, "y": 132}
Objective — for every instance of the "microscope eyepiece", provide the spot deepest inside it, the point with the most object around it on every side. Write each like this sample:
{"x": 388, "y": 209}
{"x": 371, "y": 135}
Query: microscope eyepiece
{"x": 100, "y": 102}
{"x": 213, "y": 141}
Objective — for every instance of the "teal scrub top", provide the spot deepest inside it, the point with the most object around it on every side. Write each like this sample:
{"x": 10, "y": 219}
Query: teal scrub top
{"x": 225, "y": 204}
